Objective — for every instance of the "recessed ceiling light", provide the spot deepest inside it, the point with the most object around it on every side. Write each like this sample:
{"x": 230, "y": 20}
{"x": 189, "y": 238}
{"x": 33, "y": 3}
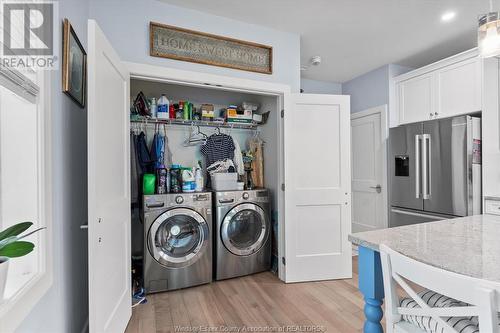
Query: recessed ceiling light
{"x": 448, "y": 16}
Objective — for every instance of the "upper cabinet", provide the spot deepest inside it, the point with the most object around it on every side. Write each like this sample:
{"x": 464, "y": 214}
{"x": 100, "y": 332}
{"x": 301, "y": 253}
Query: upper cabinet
{"x": 459, "y": 88}
{"x": 416, "y": 98}
{"x": 450, "y": 87}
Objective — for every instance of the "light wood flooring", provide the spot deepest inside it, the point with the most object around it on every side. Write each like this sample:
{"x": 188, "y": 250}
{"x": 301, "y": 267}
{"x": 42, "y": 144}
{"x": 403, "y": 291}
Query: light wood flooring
{"x": 256, "y": 301}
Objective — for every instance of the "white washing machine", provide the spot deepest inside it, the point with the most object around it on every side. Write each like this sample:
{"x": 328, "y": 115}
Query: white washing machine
{"x": 177, "y": 241}
{"x": 242, "y": 233}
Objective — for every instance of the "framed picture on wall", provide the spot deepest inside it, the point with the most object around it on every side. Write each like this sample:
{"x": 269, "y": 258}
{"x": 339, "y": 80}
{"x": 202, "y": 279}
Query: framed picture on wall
{"x": 74, "y": 69}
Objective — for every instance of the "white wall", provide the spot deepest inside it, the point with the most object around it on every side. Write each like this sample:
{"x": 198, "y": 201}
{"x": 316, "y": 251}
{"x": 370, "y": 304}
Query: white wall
{"x": 65, "y": 306}
{"x": 320, "y": 87}
{"x": 126, "y": 24}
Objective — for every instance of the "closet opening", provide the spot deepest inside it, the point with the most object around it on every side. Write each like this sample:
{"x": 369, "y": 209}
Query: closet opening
{"x": 184, "y": 235}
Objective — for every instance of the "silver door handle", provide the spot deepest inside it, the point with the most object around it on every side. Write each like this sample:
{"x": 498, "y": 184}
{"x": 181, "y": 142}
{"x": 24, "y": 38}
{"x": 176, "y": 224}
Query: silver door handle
{"x": 378, "y": 188}
{"x": 84, "y": 226}
{"x": 426, "y": 161}
{"x": 417, "y": 166}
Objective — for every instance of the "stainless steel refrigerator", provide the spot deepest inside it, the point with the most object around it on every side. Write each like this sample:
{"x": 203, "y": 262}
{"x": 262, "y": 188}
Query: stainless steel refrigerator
{"x": 435, "y": 170}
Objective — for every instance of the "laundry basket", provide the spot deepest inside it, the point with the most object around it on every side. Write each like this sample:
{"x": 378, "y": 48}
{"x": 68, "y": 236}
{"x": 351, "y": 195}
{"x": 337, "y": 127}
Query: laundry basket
{"x": 225, "y": 181}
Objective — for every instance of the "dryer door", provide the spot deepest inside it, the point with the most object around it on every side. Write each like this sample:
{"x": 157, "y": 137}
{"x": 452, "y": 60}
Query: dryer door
{"x": 178, "y": 237}
{"x": 245, "y": 229}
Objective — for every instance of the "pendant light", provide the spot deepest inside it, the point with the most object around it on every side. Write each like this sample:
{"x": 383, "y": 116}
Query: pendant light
{"x": 488, "y": 33}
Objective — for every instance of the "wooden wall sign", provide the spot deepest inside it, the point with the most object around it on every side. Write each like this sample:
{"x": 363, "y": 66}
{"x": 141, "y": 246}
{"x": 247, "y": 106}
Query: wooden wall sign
{"x": 188, "y": 45}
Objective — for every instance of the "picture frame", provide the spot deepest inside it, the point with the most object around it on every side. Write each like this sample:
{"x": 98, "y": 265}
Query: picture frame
{"x": 167, "y": 41}
{"x": 74, "y": 66}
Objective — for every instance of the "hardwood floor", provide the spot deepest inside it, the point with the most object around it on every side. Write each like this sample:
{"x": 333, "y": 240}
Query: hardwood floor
{"x": 257, "y": 301}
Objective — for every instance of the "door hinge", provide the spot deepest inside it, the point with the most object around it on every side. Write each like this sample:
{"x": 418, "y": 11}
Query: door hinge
{"x": 283, "y": 113}
{"x": 283, "y": 187}
{"x": 283, "y": 261}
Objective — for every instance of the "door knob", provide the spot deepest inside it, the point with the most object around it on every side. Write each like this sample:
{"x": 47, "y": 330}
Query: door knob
{"x": 377, "y": 188}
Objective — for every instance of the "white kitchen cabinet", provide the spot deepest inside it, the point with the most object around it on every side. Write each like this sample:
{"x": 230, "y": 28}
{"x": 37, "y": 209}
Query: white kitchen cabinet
{"x": 416, "y": 99}
{"x": 459, "y": 88}
{"x": 447, "y": 88}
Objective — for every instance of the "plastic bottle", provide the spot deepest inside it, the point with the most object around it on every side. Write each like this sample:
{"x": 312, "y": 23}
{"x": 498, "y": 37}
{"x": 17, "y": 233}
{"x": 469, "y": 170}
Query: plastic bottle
{"x": 154, "y": 108}
{"x": 163, "y": 107}
{"x": 161, "y": 180}
{"x": 188, "y": 182}
{"x": 186, "y": 110}
{"x": 171, "y": 111}
{"x": 198, "y": 178}
{"x": 175, "y": 179}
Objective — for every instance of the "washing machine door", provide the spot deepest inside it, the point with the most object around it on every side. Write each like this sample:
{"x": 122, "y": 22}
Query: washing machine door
{"x": 178, "y": 237}
{"x": 245, "y": 229}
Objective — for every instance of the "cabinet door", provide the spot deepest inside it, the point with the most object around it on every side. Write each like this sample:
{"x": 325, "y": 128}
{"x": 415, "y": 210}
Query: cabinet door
{"x": 459, "y": 88}
{"x": 415, "y": 99}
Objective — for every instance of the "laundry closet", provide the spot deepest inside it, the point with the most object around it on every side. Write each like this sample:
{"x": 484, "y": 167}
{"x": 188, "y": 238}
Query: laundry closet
{"x": 185, "y": 235}
{"x": 306, "y": 176}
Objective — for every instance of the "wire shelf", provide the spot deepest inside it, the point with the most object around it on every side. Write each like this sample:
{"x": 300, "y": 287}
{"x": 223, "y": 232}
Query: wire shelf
{"x": 203, "y": 123}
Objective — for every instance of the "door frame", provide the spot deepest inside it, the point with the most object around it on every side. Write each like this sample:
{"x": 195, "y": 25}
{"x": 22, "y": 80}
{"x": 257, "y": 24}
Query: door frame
{"x": 193, "y": 78}
{"x": 384, "y": 135}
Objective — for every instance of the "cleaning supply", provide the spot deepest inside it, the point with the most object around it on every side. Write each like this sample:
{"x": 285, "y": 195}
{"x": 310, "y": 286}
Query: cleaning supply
{"x": 171, "y": 111}
{"x": 198, "y": 178}
{"x": 188, "y": 180}
{"x": 186, "y": 111}
{"x": 154, "y": 108}
{"x": 163, "y": 107}
{"x": 175, "y": 179}
{"x": 148, "y": 184}
{"x": 161, "y": 180}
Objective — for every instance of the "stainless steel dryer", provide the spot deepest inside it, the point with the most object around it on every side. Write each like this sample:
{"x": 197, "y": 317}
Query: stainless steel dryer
{"x": 242, "y": 235}
{"x": 177, "y": 241}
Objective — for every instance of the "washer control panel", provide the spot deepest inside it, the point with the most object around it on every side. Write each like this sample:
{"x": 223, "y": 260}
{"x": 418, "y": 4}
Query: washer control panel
{"x": 245, "y": 195}
{"x": 179, "y": 199}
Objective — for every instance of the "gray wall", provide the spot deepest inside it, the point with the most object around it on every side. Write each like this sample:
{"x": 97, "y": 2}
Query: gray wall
{"x": 371, "y": 89}
{"x": 64, "y": 308}
{"x": 126, "y": 24}
{"x": 320, "y": 87}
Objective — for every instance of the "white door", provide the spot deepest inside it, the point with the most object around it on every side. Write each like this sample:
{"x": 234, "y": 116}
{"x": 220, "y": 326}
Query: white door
{"x": 318, "y": 186}
{"x": 108, "y": 186}
{"x": 369, "y": 189}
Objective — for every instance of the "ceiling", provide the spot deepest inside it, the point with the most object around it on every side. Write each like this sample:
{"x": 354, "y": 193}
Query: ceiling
{"x": 356, "y": 36}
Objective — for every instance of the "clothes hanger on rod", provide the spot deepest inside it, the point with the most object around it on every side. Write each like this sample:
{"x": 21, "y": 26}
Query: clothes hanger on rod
{"x": 196, "y": 137}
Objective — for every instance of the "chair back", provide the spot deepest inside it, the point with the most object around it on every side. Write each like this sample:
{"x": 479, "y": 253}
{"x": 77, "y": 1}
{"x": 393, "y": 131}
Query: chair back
{"x": 481, "y": 295}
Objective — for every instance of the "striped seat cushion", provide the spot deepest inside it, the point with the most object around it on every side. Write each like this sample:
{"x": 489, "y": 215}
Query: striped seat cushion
{"x": 429, "y": 324}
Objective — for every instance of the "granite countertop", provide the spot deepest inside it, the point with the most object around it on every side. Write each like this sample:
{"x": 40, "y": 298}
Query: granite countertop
{"x": 467, "y": 245}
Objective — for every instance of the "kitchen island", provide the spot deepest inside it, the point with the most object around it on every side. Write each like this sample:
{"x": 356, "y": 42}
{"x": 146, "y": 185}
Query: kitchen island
{"x": 468, "y": 245}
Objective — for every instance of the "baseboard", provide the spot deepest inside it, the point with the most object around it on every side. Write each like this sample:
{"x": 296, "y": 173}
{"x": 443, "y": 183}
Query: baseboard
{"x": 85, "y": 327}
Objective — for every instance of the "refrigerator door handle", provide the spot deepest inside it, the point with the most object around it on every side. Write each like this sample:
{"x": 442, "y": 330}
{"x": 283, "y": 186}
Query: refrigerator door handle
{"x": 417, "y": 165}
{"x": 426, "y": 160}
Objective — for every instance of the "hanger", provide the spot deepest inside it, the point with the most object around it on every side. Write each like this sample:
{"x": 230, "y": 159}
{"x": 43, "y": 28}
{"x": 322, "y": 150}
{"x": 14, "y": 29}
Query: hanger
{"x": 256, "y": 136}
{"x": 195, "y": 137}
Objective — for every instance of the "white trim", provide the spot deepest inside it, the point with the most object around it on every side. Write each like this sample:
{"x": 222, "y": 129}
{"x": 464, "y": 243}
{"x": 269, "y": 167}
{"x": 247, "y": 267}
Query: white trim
{"x": 384, "y": 135}
{"x": 19, "y": 306}
{"x": 282, "y": 91}
{"x": 151, "y": 72}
